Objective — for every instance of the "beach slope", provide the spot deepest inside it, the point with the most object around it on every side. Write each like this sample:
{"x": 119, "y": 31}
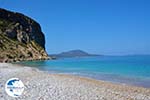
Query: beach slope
{"x": 44, "y": 86}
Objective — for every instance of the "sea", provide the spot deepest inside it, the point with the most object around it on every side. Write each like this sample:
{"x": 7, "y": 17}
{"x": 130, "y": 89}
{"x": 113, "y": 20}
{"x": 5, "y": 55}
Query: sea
{"x": 131, "y": 70}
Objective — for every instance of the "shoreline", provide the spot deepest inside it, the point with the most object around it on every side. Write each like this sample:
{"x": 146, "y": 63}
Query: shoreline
{"x": 121, "y": 80}
{"x": 44, "y": 85}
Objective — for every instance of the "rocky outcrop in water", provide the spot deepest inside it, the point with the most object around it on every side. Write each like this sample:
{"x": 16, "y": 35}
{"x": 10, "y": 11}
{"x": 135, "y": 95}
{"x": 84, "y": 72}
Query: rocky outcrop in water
{"x": 21, "y": 38}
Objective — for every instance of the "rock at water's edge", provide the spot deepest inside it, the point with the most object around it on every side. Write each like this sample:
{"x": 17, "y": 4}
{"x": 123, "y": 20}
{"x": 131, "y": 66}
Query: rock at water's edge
{"x": 21, "y": 38}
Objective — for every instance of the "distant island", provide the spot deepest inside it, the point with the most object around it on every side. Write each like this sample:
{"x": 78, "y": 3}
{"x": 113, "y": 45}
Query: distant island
{"x": 73, "y": 53}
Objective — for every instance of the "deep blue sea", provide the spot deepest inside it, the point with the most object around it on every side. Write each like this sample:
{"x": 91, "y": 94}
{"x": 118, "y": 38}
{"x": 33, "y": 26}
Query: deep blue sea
{"x": 132, "y": 70}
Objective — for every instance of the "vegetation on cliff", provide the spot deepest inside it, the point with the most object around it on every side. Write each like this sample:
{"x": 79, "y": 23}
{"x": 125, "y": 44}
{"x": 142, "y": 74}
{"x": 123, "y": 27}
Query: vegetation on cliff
{"x": 21, "y": 38}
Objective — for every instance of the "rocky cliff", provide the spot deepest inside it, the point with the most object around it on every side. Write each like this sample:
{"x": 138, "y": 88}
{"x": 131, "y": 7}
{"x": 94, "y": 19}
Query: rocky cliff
{"x": 21, "y": 38}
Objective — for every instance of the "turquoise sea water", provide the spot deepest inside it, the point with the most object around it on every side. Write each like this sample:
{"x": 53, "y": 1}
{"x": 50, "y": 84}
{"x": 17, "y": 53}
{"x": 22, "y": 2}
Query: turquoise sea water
{"x": 133, "y": 70}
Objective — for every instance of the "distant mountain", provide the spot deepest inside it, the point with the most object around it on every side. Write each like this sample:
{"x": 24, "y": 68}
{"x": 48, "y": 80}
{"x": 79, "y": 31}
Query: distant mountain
{"x": 73, "y": 53}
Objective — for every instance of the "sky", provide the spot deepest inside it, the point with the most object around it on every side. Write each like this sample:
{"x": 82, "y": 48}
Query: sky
{"x": 108, "y": 27}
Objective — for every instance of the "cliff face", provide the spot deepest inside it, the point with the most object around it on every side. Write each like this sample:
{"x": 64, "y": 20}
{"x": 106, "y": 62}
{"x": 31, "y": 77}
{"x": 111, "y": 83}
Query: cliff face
{"x": 21, "y": 38}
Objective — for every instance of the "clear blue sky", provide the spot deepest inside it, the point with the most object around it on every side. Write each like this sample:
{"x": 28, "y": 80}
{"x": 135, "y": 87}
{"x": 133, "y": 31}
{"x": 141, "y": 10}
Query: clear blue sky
{"x": 111, "y": 27}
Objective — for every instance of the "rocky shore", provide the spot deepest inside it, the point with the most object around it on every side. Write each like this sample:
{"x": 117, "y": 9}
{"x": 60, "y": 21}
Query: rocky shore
{"x": 44, "y": 86}
{"x": 21, "y": 38}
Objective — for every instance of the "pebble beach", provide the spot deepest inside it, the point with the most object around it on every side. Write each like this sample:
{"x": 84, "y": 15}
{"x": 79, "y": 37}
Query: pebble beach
{"x": 40, "y": 85}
